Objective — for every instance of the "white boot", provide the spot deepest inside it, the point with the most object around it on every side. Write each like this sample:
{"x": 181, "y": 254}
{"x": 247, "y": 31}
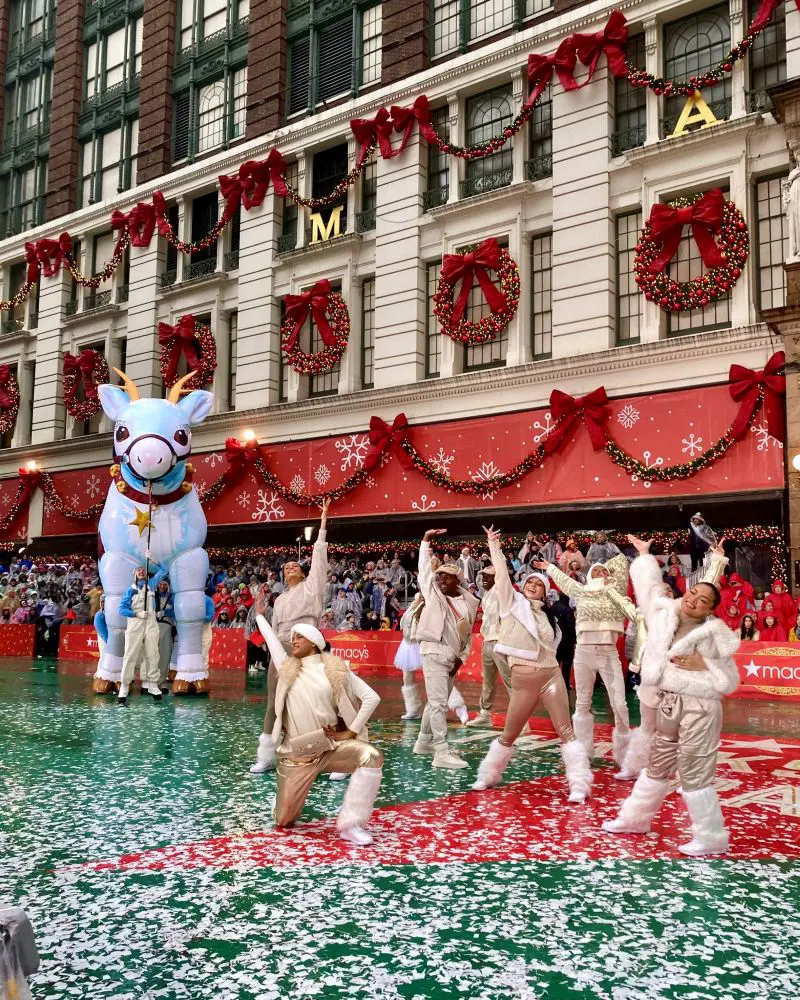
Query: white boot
{"x": 584, "y": 731}
{"x": 424, "y": 745}
{"x": 413, "y": 703}
{"x": 357, "y": 805}
{"x": 266, "y": 758}
{"x": 448, "y": 760}
{"x": 579, "y": 771}
{"x": 483, "y": 720}
{"x": 492, "y": 766}
{"x": 637, "y": 754}
{"x": 457, "y": 704}
{"x": 620, "y": 738}
{"x": 338, "y": 775}
{"x": 709, "y": 835}
{"x": 640, "y": 807}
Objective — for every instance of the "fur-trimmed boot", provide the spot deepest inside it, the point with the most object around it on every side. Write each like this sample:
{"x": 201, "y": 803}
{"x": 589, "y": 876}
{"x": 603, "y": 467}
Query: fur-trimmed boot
{"x": 266, "y": 758}
{"x": 579, "y": 771}
{"x": 412, "y": 701}
{"x": 636, "y": 756}
{"x": 357, "y": 805}
{"x": 640, "y": 807}
{"x": 492, "y": 766}
{"x": 584, "y": 731}
{"x": 620, "y": 738}
{"x": 457, "y": 704}
{"x": 709, "y": 835}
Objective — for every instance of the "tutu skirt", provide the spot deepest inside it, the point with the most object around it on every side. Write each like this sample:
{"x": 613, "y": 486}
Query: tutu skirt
{"x": 408, "y": 656}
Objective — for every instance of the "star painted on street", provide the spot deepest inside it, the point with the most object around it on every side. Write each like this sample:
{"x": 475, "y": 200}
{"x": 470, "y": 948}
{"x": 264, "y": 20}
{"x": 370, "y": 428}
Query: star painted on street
{"x": 141, "y": 520}
{"x": 766, "y": 744}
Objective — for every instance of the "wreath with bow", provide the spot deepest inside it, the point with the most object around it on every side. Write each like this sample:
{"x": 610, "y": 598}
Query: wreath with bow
{"x": 720, "y": 232}
{"x": 331, "y": 318}
{"x": 193, "y": 341}
{"x": 472, "y": 265}
{"x": 9, "y": 399}
{"x": 85, "y": 372}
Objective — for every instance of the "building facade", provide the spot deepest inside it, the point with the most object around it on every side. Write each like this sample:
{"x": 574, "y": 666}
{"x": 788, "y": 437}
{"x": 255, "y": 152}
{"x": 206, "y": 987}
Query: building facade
{"x": 107, "y": 102}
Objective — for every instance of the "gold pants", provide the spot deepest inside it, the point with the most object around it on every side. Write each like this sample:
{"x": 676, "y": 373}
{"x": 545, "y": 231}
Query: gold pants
{"x": 687, "y": 738}
{"x": 529, "y": 686}
{"x": 295, "y": 777}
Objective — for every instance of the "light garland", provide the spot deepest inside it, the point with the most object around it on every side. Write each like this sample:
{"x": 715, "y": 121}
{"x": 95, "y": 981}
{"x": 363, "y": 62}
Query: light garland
{"x": 8, "y": 413}
{"x": 110, "y": 266}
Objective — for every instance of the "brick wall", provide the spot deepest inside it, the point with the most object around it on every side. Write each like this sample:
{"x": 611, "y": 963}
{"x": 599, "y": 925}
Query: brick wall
{"x": 63, "y": 166}
{"x": 266, "y": 76}
{"x": 155, "y": 94}
{"x": 405, "y": 38}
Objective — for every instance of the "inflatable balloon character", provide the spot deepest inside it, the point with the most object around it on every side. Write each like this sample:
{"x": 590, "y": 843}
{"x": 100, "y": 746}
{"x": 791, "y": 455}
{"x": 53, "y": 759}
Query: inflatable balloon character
{"x": 152, "y": 517}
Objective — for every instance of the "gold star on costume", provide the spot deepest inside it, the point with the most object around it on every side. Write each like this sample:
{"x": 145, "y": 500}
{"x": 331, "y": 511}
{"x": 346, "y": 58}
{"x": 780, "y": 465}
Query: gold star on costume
{"x": 141, "y": 521}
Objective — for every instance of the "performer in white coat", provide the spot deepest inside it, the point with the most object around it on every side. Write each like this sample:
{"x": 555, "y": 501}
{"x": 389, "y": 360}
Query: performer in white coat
{"x": 141, "y": 635}
{"x": 321, "y": 715}
{"x": 689, "y": 659}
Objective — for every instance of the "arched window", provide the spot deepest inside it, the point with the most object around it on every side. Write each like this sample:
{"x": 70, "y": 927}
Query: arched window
{"x": 211, "y": 111}
{"x": 691, "y": 46}
{"x": 487, "y": 116}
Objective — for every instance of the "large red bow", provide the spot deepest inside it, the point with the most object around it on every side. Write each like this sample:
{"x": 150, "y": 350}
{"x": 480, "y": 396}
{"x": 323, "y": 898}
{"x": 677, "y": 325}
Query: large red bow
{"x": 567, "y": 411}
{"x": 471, "y": 266}
{"x": 240, "y": 455}
{"x": 369, "y": 131}
{"x": 314, "y": 301}
{"x": 32, "y": 260}
{"x": 612, "y": 40}
{"x": 161, "y": 214}
{"x": 403, "y": 120}
{"x": 83, "y": 366}
{"x": 744, "y": 387}
{"x": 255, "y": 177}
{"x": 50, "y": 254}
{"x": 705, "y": 218}
{"x": 140, "y": 221}
{"x": 231, "y": 190}
{"x": 29, "y": 479}
{"x": 5, "y": 378}
{"x": 179, "y": 339}
{"x": 383, "y": 437}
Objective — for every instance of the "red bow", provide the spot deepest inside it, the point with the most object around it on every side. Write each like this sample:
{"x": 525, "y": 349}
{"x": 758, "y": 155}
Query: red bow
{"x": 469, "y": 266}
{"x": 314, "y": 301}
{"x": 5, "y": 378}
{"x": 764, "y": 15}
{"x": 540, "y": 73}
{"x": 32, "y": 260}
{"x": 383, "y": 437}
{"x": 744, "y": 387}
{"x": 180, "y": 339}
{"x": 240, "y": 455}
{"x": 141, "y": 223}
{"x": 705, "y": 218}
{"x": 83, "y": 366}
{"x": 369, "y": 131}
{"x": 567, "y": 411}
{"x": 612, "y": 40}
{"x": 30, "y": 479}
{"x": 231, "y": 190}
{"x": 161, "y": 214}
{"x": 255, "y": 177}
{"x": 403, "y": 120}
{"x": 50, "y": 254}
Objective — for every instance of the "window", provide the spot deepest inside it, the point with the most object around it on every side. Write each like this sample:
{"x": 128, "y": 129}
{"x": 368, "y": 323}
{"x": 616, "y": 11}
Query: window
{"x": 82, "y": 428}
{"x": 433, "y": 341}
{"x": 102, "y": 251}
{"x": 489, "y": 355}
{"x": 685, "y": 265}
{"x": 488, "y": 16}
{"x": 540, "y": 130}
{"x": 8, "y": 436}
{"x": 368, "y": 333}
{"x": 691, "y": 46}
{"x": 369, "y": 198}
{"x": 211, "y": 115}
{"x": 288, "y": 238}
{"x": 773, "y": 244}
{"x": 630, "y": 119}
{"x": 438, "y": 162}
{"x": 330, "y": 167}
{"x": 108, "y": 163}
{"x": 541, "y": 295}
{"x": 205, "y": 213}
{"x": 23, "y": 198}
{"x": 233, "y": 338}
{"x": 27, "y": 106}
{"x": 15, "y": 320}
{"x": 445, "y": 33}
{"x": 328, "y": 60}
{"x": 114, "y": 58}
{"x": 200, "y": 19}
{"x": 766, "y": 60}
{"x": 170, "y": 275}
{"x": 487, "y": 115}
{"x": 234, "y": 235}
{"x": 629, "y": 298}
{"x": 456, "y": 23}
{"x": 29, "y": 20}
{"x": 327, "y": 383}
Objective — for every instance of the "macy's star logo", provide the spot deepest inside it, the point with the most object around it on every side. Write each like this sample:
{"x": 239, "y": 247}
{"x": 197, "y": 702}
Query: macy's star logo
{"x": 752, "y": 668}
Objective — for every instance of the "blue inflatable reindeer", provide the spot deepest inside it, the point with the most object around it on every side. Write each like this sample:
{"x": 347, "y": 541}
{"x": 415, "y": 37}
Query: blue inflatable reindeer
{"x": 152, "y": 516}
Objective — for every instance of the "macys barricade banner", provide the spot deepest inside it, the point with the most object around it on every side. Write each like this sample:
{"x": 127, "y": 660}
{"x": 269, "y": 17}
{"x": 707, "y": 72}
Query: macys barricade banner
{"x": 377, "y": 649}
{"x": 17, "y": 640}
{"x": 769, "y": 670}
{"x": 228, "y": 646}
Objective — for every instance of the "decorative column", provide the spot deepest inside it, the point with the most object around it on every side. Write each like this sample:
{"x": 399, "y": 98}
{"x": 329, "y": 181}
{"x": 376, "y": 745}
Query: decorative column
{"x": 48, "y": 422}
{"x": 739, "y": 74}
{"x": 519, "y": 81}
{"x": 520, "y": 347}
{"x": 142, "y": 360}
{"x": 455, "y": 121}
{"x": 652, "y": 61}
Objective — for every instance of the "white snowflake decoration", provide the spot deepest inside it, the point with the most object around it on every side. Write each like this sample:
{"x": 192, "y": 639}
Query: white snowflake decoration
{"x": 322, "y": 474}
{"x": 442, "y": 461}
{"x": 543, "y": 428}
{"x": 93, "y": 486}
{"x": 484, "y": 472}
{"x": 297, "y": 484}
{"x": 268, "y": 507}
{"x": 200, "y": 485}
{"x": 212, "y": 459}
{"x": 75, "y": 503}
{"x": 243, "y": 499}
{"x": 628, "y": 416}
{"x": 764, "y": 440}
{"x": 5, "y": 498}
{"x": 650, "y": 462}
{"x": 692, "y": 444}
{"x": 423, "y": 504}
{"x": 352, "y": 450}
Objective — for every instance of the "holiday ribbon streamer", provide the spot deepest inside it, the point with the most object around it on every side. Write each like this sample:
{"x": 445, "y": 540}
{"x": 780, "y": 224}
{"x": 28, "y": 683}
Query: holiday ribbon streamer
{"x": 540, "y": 73}
{"x": 567, "y": 411}
{"x": 705, "y": 218}
{"x": 314, "y": 301}
{"x": 180, "y": 339}
{"x": 471, "y": 266}
{"x": 383, "y": 437}
{"x": 5, "y": 378}
{"x": 231, "y": 190}
{"x": 744, "y": 388}
{"x": 83, "y": 365}
{"x": 32, "y": 260}
{"x": 613, "y": 40}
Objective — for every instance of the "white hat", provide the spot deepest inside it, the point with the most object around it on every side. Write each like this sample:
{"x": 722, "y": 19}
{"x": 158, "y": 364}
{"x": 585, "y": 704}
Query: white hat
{"x": 312, "y": 634}
{"x": 545, "y": 579}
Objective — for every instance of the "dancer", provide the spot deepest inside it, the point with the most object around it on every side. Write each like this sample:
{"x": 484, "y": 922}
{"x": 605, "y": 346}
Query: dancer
{"x": 689, "y": 659}
{"x": 445, "y": 634}
{"x": 492, "y": 662}
{"x": 529, "y": 637}
{"x": 598, "y": 624}
{"x": 301, "y": 603}
{"x": 165, "y": 616}
{"x": 141, "y": 635}
{"x": 638, "y": 751}
{"x": 319, "y": 730}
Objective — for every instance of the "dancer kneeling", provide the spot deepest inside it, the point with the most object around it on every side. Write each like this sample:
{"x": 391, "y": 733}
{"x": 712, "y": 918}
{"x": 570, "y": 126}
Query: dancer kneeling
{"x": 319, "y": 730}
{"x": 689, "y": 658}
{"x": 529, "y": 638}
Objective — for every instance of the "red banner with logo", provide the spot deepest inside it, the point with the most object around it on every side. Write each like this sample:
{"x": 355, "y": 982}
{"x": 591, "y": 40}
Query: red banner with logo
{"x": 17, "y": 640}
{"x": 769, "y": 670}
{"x": 374, "y": 650}
{"x": 79, "y": 642}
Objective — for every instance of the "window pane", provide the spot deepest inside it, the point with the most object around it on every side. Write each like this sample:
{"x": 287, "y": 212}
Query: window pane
{"x": 685, "y": 265}
{"x": 299, "y": 69}
{"x": 111, "y": 145}
{"x": 693, "y": 45}
{"x": 541, "y": 296}
{"x": 239, "y": 122}
{"x": 486, "y": 16}
{"x": 327, "y": 383}
{"x": 115, "y": 58}
{"x": 540, "y": 132}
{"x": 629, "y": 298}
{"x": 91, "y": 68}
{"x": 489, "y": 355}
{"x": 187, "y": 22}
{"x": 371, "y": 45}
{"x": 215, "y": 14}
{"x": 368, "y": 333}
{"x": 487, "y": 115}
{"x": 629, "y": 103}
{"x": 767, "y": 58}
{"x": 773, "y": 244}
{"x": 134, "y": 147}
{"x": 433, "y": 349}
{"x": 103, "y": 251}
{"x": 211, "y": 116}
{"x": 445, "y": 26}
{"x": 335, "y": 58}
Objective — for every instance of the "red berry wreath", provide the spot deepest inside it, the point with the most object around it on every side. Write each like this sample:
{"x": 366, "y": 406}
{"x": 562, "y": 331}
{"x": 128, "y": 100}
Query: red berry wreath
{"x": 195, "y": 342}
{"x": 332, "y": 320}
{"x": 88, "y": 369}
